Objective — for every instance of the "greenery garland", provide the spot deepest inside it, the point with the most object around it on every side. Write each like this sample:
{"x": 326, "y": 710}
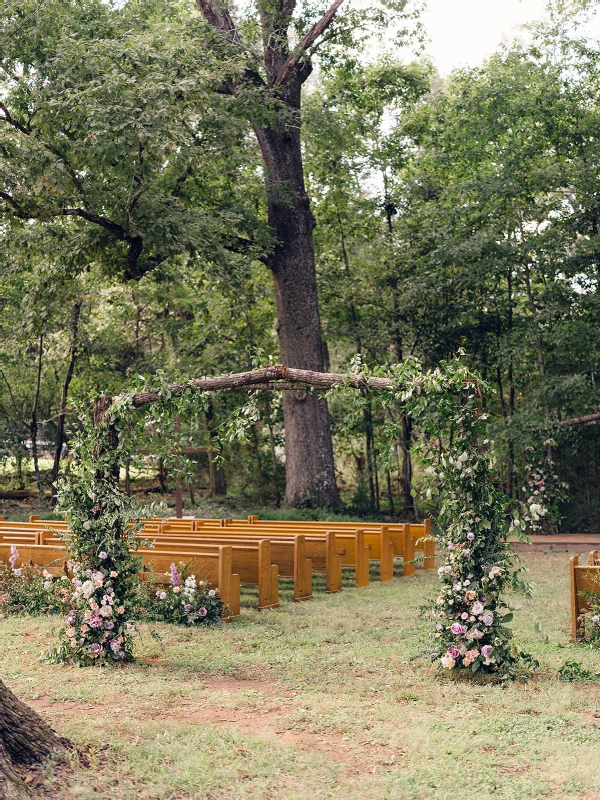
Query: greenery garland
{"x": 471, "y": 614}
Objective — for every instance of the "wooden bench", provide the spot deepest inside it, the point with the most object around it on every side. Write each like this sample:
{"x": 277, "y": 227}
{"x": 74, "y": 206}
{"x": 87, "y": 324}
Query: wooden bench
{"x": 289, "y": 555}
{"x": 252, "y": 561}
{"x": 583, "y": 578}
{"x": 381, "y": 544}
{"x": 216, "y": 566}
{"x": 420, "y": 532}
{"x": 327, "y": 553}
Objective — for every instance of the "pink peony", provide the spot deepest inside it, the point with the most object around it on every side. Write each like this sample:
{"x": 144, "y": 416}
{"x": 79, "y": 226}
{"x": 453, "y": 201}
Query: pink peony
{"x": 95, "y": 621}
{"x": 457, "y": 628}
{"x": 203, "y": 612}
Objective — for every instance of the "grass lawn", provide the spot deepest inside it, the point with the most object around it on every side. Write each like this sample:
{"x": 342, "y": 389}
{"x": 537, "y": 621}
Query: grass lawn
{"x": 324, "y": 699}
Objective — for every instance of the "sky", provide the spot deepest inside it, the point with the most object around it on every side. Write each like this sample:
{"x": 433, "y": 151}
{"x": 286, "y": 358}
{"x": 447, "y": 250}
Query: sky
{"x": 465, "y": 32}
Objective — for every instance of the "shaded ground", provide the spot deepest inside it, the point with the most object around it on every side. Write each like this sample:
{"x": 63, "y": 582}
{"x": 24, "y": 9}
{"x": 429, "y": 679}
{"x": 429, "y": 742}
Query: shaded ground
{"x": 330, "y": 698}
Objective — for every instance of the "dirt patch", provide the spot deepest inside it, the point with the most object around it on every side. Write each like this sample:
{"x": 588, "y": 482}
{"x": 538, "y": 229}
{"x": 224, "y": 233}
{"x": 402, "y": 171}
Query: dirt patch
{"x": 357, "y": 758}
{"x": 42, "y": 704}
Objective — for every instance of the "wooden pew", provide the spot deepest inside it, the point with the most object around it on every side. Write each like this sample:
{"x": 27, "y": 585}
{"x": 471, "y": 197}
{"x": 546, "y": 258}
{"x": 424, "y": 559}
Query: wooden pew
{"x": 216, "y": 566}
{"x": 382, "y": 544}
{"x": 288, "y": 555}
{"x": 54, "y": 559}
{"x": 327, "y": 552}
{"x": 252, "y": 561}
{"x": 583, "y": 578}
{"x": 420, "y": 532}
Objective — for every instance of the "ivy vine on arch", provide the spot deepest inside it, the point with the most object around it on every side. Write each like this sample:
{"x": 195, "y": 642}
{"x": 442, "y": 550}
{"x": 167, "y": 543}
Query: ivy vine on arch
{"x": 471, "y": 614}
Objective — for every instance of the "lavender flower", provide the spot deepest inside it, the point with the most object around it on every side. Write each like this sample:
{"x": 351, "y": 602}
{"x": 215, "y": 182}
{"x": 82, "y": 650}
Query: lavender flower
{"x": 175, "y": 581}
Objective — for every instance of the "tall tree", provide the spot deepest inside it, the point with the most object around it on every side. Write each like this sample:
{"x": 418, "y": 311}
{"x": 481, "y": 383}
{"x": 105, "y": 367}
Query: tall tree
{"x": 279, "y": 73}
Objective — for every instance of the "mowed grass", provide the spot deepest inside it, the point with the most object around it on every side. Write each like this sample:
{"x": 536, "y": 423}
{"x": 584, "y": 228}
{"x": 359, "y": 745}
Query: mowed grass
{"x": 334, "y": 697}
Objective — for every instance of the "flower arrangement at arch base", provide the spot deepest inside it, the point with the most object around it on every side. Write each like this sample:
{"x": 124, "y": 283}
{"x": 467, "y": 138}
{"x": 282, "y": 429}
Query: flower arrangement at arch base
{"x": 185, "y": 601}
{"x": 97, "y": 626}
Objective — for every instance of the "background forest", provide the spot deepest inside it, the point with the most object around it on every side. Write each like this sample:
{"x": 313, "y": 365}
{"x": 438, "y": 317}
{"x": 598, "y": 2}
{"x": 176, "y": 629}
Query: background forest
{"x": 451, "y": 215}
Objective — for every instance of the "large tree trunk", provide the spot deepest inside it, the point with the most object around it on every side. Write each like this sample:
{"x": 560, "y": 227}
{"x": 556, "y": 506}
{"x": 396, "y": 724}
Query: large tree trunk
{"x": 25, "y": 742}
{"x": 309, "y": 465}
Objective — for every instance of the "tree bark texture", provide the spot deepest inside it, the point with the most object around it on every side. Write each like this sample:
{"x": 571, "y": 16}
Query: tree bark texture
{"x": 25, "y": 742}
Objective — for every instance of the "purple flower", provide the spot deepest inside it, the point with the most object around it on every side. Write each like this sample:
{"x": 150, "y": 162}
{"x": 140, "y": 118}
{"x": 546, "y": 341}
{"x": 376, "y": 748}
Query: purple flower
{"x": 456, "y": 628}
{"x": 187, "y": 607}
{"x": 202, "y": 612}
{"x": 102, "y": 554}
{"x": 453, "y": 651}
{"x": 439, "y": 627}
{"x": 470, "y": 536}
{"x": 175, "y": 576}
{"x": 17, "y": 572}
{"x": 466, "y": 552}
{"x": 14, "y": 555}
{"x": 486, "y": 650}
{"x": 212, "y": 593}
{"x": 487, "y": 619}
{"x": 96, "y": 648}
{"x": 109, "y": 625}
{"x": 114, "y": 645}
{"x": 95, "y": 621}
{"x": 162, "y": 596}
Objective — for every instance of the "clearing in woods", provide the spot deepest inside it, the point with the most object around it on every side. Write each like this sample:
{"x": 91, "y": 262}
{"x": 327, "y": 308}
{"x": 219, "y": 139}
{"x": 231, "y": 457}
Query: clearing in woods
{"x": 323, "y": 699}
